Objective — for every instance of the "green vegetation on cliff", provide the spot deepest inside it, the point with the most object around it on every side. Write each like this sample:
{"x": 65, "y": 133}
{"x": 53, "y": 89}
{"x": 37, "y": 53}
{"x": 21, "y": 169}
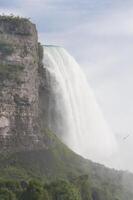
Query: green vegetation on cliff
{"x": 34, "y": 190}
{"x": 57, "y": 190}
{"x": 12, "y": 18}
{"x": 55, "y": 163}
{"x": 15, "y": 25}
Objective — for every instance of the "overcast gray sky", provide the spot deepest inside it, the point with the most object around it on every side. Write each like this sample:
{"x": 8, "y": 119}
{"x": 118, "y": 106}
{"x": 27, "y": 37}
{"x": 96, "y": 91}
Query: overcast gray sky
{"x": 99, "y": 34}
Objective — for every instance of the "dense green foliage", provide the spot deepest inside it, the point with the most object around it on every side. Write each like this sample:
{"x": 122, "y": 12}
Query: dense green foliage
{"x": 63, "y": 190}
{"x": 6, "y": 194}
{"x": 12, "y": 18}
{"x": 78, "y": 189}
{"x": 54, "y": 162}
{"x": 34, "y": 190}
{"x": 57, "y": 162}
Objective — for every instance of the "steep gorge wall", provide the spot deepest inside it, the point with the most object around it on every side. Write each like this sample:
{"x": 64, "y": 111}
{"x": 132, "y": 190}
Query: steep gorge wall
{"x": 19, "y": 85}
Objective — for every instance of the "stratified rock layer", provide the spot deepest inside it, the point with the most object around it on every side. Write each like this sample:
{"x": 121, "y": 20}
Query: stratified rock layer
{"x": 19, "y": 85}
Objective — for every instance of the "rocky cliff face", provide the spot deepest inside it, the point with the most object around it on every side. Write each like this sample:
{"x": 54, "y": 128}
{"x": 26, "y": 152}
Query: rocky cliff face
{"x": 19, "y": 85}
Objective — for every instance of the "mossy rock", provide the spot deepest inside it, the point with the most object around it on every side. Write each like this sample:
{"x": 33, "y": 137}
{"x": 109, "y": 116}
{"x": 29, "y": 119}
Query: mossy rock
{"x": 6, "y": 49}
{"x": 10, "y": 72}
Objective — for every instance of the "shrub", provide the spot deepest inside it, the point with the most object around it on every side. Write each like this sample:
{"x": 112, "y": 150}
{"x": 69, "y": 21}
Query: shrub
{"x": 5, "y": 194}
{"x": 63, "y": 190}
{"x": 34, "y": 191}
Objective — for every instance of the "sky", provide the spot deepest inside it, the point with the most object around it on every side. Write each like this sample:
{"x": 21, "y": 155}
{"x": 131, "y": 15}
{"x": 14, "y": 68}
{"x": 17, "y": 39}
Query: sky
{"x": 99, "y": 34}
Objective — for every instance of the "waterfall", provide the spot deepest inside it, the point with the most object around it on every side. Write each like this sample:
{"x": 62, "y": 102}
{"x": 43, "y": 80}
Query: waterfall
{"x": 71, "y": 109}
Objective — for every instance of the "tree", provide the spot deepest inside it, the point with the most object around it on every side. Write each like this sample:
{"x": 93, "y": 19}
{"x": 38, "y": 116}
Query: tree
{"x": 83, "y": 185}
{"x": 62, "y": 190}
{"x": 34, "y": 191}
{"x": 5, "y": 194}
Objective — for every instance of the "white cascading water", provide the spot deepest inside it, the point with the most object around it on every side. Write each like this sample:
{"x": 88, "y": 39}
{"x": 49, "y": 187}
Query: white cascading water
{"x": 72, "y": 111}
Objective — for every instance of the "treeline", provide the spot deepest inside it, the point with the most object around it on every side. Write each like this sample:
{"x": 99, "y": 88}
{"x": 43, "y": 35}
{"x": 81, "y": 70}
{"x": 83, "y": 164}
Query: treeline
{"x": 76, "y": 189}
{"x": 13, "y": 17}
{"x": 35, "y": 190}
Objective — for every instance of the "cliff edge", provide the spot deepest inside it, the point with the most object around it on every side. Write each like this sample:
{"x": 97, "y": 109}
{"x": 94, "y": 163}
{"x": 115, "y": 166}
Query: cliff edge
{"x": 19, "y": 84}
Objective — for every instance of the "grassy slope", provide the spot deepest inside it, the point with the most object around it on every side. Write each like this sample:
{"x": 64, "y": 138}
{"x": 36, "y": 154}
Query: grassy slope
{"x": 57, "y": 161}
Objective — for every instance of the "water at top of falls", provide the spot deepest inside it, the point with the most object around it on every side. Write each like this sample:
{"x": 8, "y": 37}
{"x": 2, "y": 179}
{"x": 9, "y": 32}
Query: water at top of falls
{"x": 72, "y": 111}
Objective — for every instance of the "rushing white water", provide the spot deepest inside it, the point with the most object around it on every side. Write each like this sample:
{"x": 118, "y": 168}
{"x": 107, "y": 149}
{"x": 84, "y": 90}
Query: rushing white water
{"x": 71, "y": 109}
